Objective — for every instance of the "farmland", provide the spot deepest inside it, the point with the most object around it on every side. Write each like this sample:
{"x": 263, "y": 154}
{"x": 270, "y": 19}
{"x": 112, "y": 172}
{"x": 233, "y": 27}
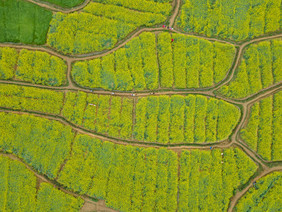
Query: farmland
{"x": 182, "y": 63}
{"x": 32, "y": 66}
{"x": 263, "y": 131}
{"x": 19, "y": 191}
{"x": 144, "y": 105}
{"x": 234, "y": 20}
{"x": 260, "y": 68}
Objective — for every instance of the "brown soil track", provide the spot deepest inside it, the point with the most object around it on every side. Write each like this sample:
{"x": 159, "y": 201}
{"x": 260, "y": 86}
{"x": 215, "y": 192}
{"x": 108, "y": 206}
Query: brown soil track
{"x": 56, "y": 8}
{"x": 239, "y": 194}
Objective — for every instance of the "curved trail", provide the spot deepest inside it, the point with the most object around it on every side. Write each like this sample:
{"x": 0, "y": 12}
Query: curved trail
{"x": 239, "y": 194}
{"x": 53, "y": 183}
{"x": 73, "y": 87}
{"x": 57, "y": 8}
{"x": 176, "y": 147}
{"x": 175, "y": 13}
{"x": 239, "y": 55}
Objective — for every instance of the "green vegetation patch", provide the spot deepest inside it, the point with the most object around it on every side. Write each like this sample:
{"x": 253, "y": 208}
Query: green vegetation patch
{"x": 148, "y": 62}
{"x": 30, "y": 98}
{"x": 23, "y": 22}
{"x": 263, "y": 131}
{"x": 109, "y": 23}
{"x": 208, "y": 179}
{"x": 19, "y": 191}
{"x": 41, "y": 143}
{"x": 265, "y": 195}
{"x": 128, "y": 178}
{"x": 235, "y": 20}
{"x": 260, "y": 68}
{"x": 32, "y": 66}
{"x": 65, "y": 3}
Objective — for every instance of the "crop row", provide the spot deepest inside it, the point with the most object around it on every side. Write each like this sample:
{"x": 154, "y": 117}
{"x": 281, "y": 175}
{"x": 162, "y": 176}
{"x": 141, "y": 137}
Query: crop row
{"x": 109, "y": 23}
{"x": 236, "y": 20}
{"x": 19, "y": 191}
{"x": 263, "y": 130}
{"x": 149, "y": 61}
{"x": 163, "y": 119}
{"x": 187, "y": 119}
{"x": 32, "y": 66}
{"x": 260, "y": 68}
{"x": 265, "y": 195}
{"x": 128, "y": 178}
{"x": 23, "y": 22}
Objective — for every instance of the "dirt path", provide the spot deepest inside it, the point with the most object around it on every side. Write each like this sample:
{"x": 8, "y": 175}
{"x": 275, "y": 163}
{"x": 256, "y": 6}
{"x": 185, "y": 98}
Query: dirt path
{"x": 239, "y": 55}
{"x": 239, "y": 194}
{"x": 176, "y": 147}
{"x": 56, "y": 8}
{"x": 175, "y": 13}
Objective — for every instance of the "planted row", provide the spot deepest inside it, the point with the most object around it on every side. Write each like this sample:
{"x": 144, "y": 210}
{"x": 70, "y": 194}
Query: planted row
{"x": 128, "y": 178}
{"x": 260, "y": 68}
{"x": 149, "y": 62}
{"x": 208, "y": 179}
{"x": 19, "y": 191}
{"x": 184, "y": 119}
{"x": 263, "y": 130}
{"x": 23, "y": 22}
{"x": 109, "y": 24}
{"x": 235, "y": 20}
{"x": 32, "y": 66}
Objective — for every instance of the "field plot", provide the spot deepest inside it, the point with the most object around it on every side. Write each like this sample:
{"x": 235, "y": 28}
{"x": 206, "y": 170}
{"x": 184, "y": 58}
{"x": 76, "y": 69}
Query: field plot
{"x": 41, "y": 143}
{"x": 233, "y": 20}
{"x": 23, "y": 22}
{"x": 263, "y": 132}
{"x": 147, "y": 178}
{"x": 32, "y": 99}
{"x": 265, "y": 195}
{"x": 175, "y": 119}
{"x": 64, "y": 3}
{"x": 260, "y": 68}
{"x": 19, "y": 193}
{"x": 184, "y": 119}
{"x": 152, "y": 61}
{"x": 128, "y": 178}
{"x": 208, "y": 179}
{"x": 110, "y": 23}
{"x": 32, "y": 66}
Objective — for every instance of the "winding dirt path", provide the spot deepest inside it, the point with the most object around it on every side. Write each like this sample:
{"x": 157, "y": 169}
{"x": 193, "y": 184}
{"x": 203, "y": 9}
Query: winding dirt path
{"x": 176, "y": 147}
{"x": 239, "y": 194}
{"x": 175, "y": 13}
{"x": 239, "y": 55}
{"x": 56, "y": 8}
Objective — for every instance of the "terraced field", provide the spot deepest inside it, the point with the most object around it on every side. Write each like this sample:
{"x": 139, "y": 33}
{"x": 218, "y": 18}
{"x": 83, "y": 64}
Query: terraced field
{"x": 156, "y": 105}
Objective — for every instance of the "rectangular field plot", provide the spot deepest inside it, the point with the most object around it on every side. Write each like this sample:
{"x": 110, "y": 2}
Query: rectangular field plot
{"x": 233, "y": 20}
{"x": 23, "y": 22}
{"x": 32, "y": 66}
